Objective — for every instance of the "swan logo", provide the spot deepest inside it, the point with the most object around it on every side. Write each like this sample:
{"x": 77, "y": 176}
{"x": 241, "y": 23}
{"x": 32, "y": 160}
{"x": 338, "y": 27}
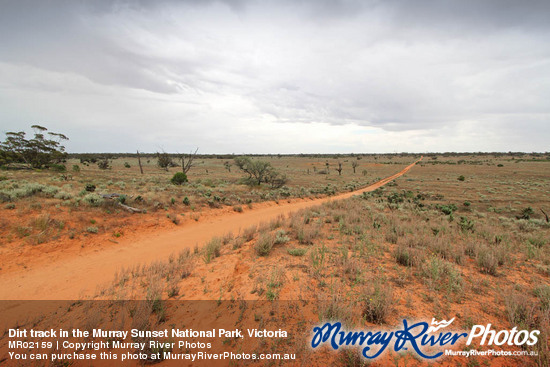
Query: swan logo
{"x": 439, "y": 325}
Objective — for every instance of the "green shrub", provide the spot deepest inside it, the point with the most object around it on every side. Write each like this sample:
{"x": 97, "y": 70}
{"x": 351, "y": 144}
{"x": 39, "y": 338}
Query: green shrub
{"x": 26, "y": 190}
{"x": 526, "y": 213}
{"x": 543, "y": 294}
{"x": 89, "y": 187}
{"x": 104, "y": 164}
{"x": 520, "y": 309}
{"x": 58, "y": 167}
{"x": 186, "y": 201}
{"x": 487, "y": 261}
{"x": 212, "y": 250}
{"x": 281, "y": 237}
{"x": 264, "y": 244}
{"x": 466, "y": 224}
{"x": 76, "y": 168}
{"x": 92, "y": 229}
{"x": 377, "y": 303}
{"x": 127, "y": 165}
{"x": 537, "y": 241}
{"x": 461, "y": 178}
{"x": 93, "y": 199}
{"x": 50, "y": 191}
{"x": 395, "y": 198}
{"x": 248, "y": 233}
{"x": 317, "y": 256}
{"x": 407, "y": 256}
{"x": 447, "y": 209}
{"x": 63, "y": 195}
{"x": 306, "y": 235}
{"x": 392, "y": 236}
{"x": 275, "y": 282}
{"x": 121, "y": 199}
{"x": 297, "y": 251}
{"x": 23, "y": 231}
{"x": 179, "y": 178}
{"x": 174, "y": 218}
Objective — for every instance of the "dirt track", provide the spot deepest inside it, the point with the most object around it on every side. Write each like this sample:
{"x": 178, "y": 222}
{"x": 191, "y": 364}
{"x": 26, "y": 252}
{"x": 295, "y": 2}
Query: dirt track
{"x": 79, "y": 276}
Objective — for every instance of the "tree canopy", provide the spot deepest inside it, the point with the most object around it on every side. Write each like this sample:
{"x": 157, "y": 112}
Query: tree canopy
{"x": 260, "y": 171}
{"x": 41, "y": 151}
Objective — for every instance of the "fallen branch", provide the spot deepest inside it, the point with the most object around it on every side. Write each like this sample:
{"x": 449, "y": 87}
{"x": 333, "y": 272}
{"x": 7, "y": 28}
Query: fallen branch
{"x": 123, "y": 206}
{"x": 130, "y": 209}
{"x": 546, "y": 215}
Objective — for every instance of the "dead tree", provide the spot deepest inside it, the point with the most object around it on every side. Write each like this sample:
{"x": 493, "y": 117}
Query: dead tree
{"x": 139, "y": 162}
{"x": 339, "y": 169}
{"x": 187, "y": 161}
{"x": 354, "y": 165}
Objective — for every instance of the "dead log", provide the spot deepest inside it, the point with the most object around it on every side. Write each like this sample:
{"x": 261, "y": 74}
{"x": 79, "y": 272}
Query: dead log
{"x": 110, "y": 196}
{"x": 123, "y": 206}
{"x": 130, "y": 209}
{"x": 546, "y": 215}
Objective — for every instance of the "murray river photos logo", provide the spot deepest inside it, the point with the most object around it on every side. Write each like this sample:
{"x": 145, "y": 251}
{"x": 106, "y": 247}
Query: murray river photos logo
{"x": 427, "y": 340}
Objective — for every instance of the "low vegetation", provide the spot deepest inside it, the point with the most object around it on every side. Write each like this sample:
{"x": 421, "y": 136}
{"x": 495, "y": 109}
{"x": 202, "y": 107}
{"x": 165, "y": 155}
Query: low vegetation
{"x": 428, "y": 245}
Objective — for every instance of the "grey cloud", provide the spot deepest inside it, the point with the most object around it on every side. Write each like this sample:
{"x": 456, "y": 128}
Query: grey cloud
{"x": 421, "y": 65}
{"x": 481, "y": 15}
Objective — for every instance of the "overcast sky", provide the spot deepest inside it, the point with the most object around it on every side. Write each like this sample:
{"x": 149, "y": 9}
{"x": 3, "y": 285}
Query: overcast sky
{"x": 279, "y": 76}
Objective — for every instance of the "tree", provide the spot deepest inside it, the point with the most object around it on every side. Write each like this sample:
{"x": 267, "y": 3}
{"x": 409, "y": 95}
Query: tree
{"x": 339, "y": 169}
{"x": 139, "y": 162}
{"x": 187, "y": 161}
{"x": 35, "y": 153}
{"x": 354, "y": 165}
{"x": 104, "y": 163}
{"x": 164, "y": 160}
{"x": 256, "y": 170}
{"x": 259, "y": 171}
{"x": 275, "y": 179}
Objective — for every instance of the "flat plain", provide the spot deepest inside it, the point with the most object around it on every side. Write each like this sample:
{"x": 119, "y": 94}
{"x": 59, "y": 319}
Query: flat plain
{"x": 463, "y": 236}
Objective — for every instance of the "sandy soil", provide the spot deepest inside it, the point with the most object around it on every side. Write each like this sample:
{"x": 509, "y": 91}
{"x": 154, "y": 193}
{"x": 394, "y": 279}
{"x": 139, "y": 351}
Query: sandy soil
{"x": 75, "y": 275}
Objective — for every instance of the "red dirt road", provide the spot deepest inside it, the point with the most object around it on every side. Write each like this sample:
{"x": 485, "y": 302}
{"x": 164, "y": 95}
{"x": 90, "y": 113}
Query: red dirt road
{"x": 79, "y": 276}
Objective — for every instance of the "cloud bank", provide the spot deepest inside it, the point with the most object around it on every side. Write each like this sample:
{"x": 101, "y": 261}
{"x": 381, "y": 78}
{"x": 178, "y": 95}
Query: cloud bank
{"x": 279, "y": 76}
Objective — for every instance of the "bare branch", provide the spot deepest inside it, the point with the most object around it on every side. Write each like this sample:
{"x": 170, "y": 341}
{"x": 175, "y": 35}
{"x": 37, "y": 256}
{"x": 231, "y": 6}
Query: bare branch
{"x": 187, "y": 161}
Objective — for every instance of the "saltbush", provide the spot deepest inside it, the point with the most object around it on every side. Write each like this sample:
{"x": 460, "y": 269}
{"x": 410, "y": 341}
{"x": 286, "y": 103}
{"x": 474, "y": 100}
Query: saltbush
{"x": 179, "y": 178}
